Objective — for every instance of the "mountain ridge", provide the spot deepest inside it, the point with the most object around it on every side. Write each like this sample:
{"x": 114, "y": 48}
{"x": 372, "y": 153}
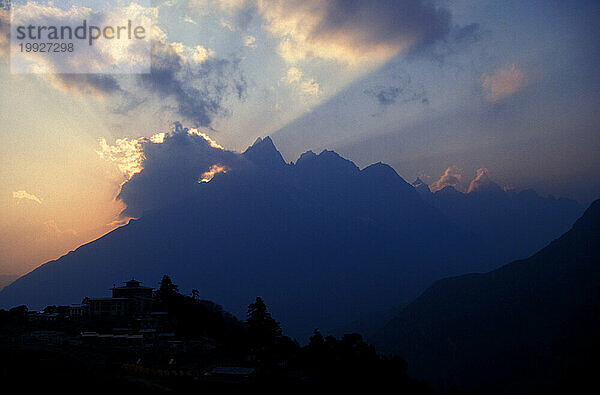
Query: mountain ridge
{"x": 323, "y": 242}
{"x": 477, "y": 331}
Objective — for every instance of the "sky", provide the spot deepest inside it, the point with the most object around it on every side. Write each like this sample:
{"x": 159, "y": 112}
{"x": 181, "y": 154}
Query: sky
{"x": 429, "y": 87}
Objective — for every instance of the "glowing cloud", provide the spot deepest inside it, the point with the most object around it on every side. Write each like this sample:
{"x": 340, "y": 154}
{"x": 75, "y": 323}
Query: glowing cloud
{"x": 361, "y": 31}
{"x": 27, "y": 196}
{"x": 126, "y": 154}
{"x": 105, "y": 56}
{"x": 308, "y": 86}
{"x": 214, "y": 169}
{"x": 158, "y": 138}
{"x": 503, "y": 83}
{"x": 197, "y": 54}
{"x": 166, "y": 167}
{"x": 213, "y": 143}
{"x": 294, "y": 74}
{"x": 343, "y": 31}
{"x": 54, "y": 231}
{"x": 451, "y": 177}
{"x": 483, "y": 183}
{"x": 249, "y": 41}
{"x": 480, "y": 179}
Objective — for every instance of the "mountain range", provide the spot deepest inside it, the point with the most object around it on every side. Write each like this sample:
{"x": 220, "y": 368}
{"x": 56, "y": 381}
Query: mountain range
{"x": 530, "y": 326}
{"x": 519, "y": 222}
{"x": 322, "y": 241}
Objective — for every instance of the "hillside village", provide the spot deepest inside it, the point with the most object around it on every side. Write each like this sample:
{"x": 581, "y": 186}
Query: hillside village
{"x": 164, "y": 340}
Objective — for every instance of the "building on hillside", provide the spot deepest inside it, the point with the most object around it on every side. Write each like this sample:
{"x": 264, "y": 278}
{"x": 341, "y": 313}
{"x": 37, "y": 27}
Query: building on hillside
{"x": 77, "y": 310}
{"x": 131, "y": 299}
{"x": 132, "y": 289}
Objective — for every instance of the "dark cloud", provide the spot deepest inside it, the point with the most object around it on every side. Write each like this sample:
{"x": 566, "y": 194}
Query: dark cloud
{"x": 376, "y": 25}
{"x": 102, "y": 84}
{"x": 402, "y": 92}
{"x": 172, "y": 169}
{"x": 468, "y": 34}
{"x": 387, "y": 21}
{"x": 353, "y": 30}
{"x": 459, "y": 39}
{"x": 244, "y": 16}
{"x": 197, "y": 89}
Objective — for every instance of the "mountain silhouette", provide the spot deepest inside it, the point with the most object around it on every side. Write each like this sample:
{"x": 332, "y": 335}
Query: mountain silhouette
{"x": 264, "y": 153}
{"x": 530, "y": 326}
{"x": 322, "y": 241}
{"x": 518, "y": 223}
{"x": 6, "y": 279}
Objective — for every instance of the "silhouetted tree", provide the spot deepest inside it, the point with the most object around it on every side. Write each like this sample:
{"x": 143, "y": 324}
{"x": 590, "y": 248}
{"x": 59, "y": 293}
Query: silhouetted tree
{"x": 259, "y": 320}
{"x": 167, "y": 289}
{"x": 316, "y": 341}
{"x": 191, "y": 317}
{"x": 263, "y": 331}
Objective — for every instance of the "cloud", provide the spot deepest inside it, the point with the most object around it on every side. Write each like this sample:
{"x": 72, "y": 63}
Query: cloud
{"x": 53, "y": 231}
{"x": 249, "y": 41}
{"x": 197, "y": 54}
{"x": 98, "y": 86}
{"x": 70, "y": 74}
{"x": 403, "y": 92}
{"x": 503, "y": 83}
{"x": 308, "y": 86}
{"x": 483, "y": 183}
{"x": 350, "y": 31}
{"x": 126, "y": 154}
{"x": 4, "y": 35}
{"x": 235, "y": 14}
{"x": 347, "y": 31}
{"x": 188, "y": 19}
{"x": 206, "y": 137}
{"x": 26, "y": 196}
{"x": 451, "y": 177}
{"x": 481, "y": 179}
{"x": 104, "y": 56}
{"x": 187, "y": 80}
{"x": 210, "y": 174}
{"x": 468, "y": 34}
{"x": 198, "y": 89}
{"x": 458, "y": 39}
{"x": 294, "y": 74}
{"x": 167, "y": 167}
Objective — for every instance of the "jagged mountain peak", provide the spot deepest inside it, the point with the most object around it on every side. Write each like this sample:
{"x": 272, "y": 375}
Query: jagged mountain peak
{"x": 264, "y": 153}
{"x": 328, "y": 161}
{"x": 483, "y": 183}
